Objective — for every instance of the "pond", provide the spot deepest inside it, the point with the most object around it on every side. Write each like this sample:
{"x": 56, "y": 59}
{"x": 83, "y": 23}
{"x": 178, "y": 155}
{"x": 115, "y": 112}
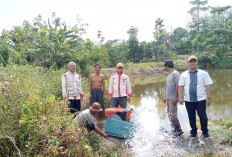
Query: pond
{"x": 152, "y": 127}
{"x": 146, "y": 94}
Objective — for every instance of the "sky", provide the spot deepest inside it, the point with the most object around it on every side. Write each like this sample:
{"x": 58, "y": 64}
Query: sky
{"x": 113, "y": 17}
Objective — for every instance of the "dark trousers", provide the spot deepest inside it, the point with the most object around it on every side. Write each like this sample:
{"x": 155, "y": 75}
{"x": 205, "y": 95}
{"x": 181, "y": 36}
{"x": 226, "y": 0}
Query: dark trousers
{"x": 200, "y": 107}
{"x": 122, "y": 101}
{"x": 97, "y": 96}
{"x": 74, "y": 106}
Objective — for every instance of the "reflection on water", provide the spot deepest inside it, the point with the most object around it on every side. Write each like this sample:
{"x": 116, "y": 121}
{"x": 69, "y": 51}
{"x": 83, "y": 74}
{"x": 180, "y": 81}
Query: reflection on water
{"x": 220, "y": 109}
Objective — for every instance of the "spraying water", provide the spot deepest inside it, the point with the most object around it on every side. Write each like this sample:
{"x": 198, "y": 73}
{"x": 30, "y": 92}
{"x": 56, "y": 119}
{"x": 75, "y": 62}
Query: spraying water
{"x": 150, "y": 138}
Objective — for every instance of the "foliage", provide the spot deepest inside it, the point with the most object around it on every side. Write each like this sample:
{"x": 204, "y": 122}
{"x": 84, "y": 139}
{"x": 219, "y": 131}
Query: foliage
{"x": 227, "y": 138}
{"x": 226, "y": 124}
{"x": 4, "y": 53}
{"x": 50, "y": 44}
{"x": 117, "y": 51}
{"x": 33, "y": 119}
{"x": 213, "y": 61}
{"x": 161, "y": 39}
{"x": 134, "y": 50}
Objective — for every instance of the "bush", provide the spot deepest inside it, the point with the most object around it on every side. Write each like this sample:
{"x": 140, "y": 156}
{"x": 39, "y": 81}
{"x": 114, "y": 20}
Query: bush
{"x": 227, "y": 138}
{"x": 32, "y": 120}
{"x": 4, "y": 53}
{"x": 208, "y": 61}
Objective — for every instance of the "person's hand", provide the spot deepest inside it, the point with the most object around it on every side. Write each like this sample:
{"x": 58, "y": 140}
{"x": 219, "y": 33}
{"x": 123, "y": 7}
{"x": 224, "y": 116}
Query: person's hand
{"x": 174, "y": 101}
{"x": 90, "y": 96}
{"x": 181, "y": 101}
{"x": 208, "y": 102}
{"x": 165, "y": 100}
{"x": 129, "y": 99}
{"x": 109, "y": 99}
{"x": 105, "y": 135}
{"x": 104, "y": 96}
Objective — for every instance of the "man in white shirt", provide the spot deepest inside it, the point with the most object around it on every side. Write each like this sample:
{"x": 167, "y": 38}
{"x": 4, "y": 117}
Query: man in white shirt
{"x": 71, "y": 88}
{"x": 119, "y": 88}
{"x": 195, "y": 83}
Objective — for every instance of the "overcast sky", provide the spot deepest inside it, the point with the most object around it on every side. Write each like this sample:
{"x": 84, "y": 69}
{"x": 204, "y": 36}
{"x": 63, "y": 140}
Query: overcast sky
{"x": 112, "y": 17}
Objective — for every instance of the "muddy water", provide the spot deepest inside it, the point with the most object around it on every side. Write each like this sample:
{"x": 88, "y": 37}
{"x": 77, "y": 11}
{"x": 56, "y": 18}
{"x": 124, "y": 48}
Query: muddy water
{"x": 152, "y": 94}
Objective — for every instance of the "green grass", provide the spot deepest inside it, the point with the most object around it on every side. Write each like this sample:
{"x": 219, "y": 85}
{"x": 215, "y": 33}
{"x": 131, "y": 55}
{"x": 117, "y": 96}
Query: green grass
{"x": 34, "y": 118}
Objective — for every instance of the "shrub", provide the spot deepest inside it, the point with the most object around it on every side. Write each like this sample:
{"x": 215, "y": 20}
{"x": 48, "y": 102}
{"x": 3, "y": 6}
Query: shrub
{"x": 32, "y": 120}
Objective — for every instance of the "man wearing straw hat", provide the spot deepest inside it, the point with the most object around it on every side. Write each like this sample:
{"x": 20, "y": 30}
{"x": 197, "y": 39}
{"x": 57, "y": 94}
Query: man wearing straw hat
{"x": 86, "y": 118}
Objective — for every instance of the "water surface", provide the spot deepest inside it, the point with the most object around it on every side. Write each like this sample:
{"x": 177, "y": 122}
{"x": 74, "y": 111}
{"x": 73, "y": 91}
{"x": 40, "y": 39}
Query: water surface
{"x": 152, "y": 94}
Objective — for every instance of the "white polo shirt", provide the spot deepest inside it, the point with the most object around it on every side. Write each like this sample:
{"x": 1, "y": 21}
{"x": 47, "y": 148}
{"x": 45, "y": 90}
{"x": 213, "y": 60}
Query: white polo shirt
{"x": 203, "y": 79}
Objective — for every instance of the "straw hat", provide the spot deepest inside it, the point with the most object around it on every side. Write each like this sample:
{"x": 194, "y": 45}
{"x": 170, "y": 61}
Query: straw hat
{"x": 96, "y": 107}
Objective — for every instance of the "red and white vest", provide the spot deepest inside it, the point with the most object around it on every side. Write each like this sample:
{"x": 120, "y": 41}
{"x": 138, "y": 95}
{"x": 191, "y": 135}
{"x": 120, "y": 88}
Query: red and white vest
{"x": 71, "y": 85}
{"x": 119, "y": 85}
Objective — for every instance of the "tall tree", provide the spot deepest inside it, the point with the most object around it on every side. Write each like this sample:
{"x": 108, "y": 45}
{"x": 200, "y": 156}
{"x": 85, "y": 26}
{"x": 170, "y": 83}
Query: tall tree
{"x": 133, "y": 42}
{"x": 180, "y": 41}
{"x": 197, "y": 13}
{"x": 118, "y": 51}
{"x": 161, "y": 38}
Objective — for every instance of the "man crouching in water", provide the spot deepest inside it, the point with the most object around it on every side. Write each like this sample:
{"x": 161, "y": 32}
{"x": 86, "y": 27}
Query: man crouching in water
{"x": 86, "y": 118}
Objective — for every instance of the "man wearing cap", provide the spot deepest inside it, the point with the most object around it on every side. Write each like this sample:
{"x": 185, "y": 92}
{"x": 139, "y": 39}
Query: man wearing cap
{"x": 172, "y": 97}
{"x": 195, "y": 83}
{"x": 86, "y": 118}
{"x": 119, "y": 88}
{"x": 71, "y": 88}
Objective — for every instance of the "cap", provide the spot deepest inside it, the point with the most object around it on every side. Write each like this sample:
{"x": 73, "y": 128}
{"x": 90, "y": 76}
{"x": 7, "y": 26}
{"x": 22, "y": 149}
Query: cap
{"x": 96, "y": 107}
{"x": 120, "y": 65}
{"x": 169, "y": 63}
{"x": 192, "y": 57}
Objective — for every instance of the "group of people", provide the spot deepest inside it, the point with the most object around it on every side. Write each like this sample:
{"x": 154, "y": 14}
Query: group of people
{"x": 195, "y": 84}
{"x": 191, "y": 87}
{"x": 119, "y": 93}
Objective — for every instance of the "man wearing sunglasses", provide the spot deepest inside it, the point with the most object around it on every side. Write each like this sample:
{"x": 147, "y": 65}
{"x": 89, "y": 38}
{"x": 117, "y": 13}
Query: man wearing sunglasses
{"x": 119, "y": 88}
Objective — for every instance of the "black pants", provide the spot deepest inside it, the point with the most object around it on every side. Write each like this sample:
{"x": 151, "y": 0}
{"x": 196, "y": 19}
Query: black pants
{"x": 74, "y": 105}
{"x": 200, "y": 107}
{"x": 97, "y": 96}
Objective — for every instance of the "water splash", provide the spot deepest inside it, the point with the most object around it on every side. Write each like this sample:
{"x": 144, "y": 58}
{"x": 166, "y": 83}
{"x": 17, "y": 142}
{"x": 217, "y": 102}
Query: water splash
{"x": 148, "y": 139}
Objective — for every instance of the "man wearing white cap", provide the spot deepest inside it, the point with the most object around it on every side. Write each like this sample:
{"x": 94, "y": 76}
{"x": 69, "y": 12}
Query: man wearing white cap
{"x": 195, "y": 83}
{"x": 119, "y": 88}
